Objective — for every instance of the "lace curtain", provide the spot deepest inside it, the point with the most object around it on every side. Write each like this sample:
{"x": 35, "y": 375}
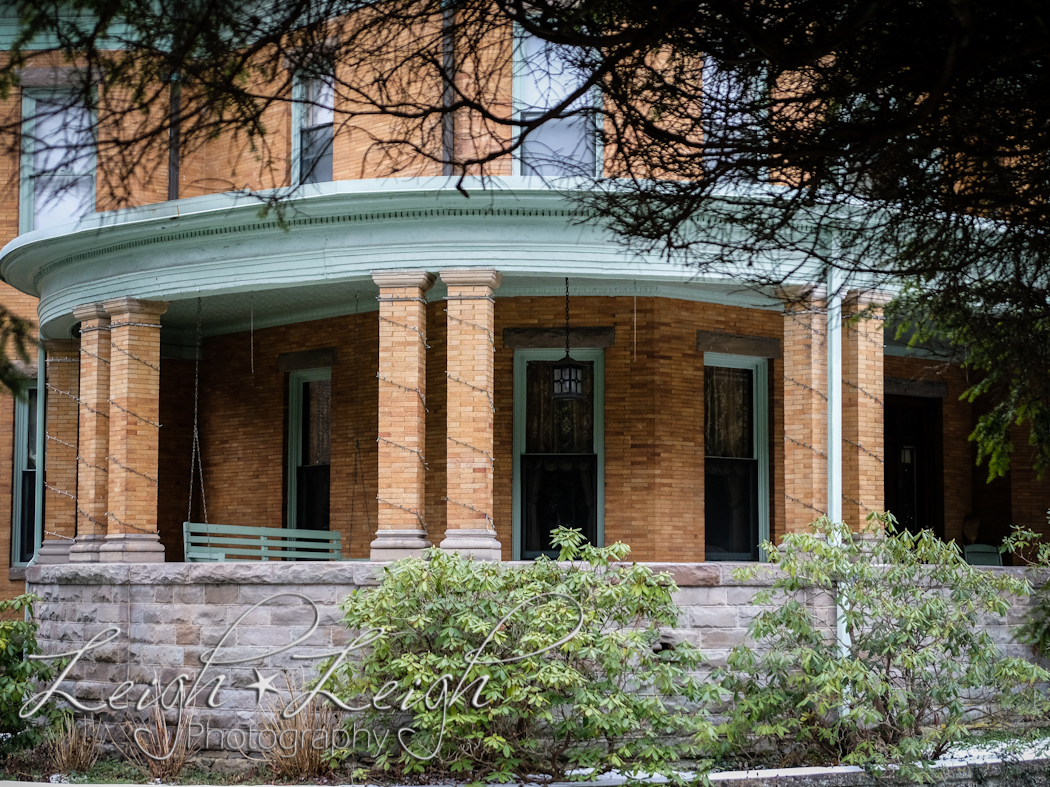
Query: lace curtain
{"x": 728, "y": 417}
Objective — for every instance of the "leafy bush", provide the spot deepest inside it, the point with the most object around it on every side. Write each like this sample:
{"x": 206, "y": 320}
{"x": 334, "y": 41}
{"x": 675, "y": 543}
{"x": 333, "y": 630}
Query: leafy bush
{"x": 1027, "y": 548}
{"x": 20, "y": 677}
{"x": 565, "y": 651}
{"x": 918, "y": 665}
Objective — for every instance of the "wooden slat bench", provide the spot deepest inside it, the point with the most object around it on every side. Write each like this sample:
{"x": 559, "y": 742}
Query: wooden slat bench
{"x": 220, "y": 543}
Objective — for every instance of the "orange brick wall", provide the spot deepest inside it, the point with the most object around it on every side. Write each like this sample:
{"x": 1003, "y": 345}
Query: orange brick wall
{"x": 653, "y": 415}
{"x": 653, "y": 438}
{"x": 243, "y": 423}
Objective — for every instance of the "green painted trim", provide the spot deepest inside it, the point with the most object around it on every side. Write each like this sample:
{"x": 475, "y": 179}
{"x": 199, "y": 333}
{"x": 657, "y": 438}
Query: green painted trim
{"x": 294, "y": 452}
{"x": 41, "y": 444}
{"x": 760, "y": 402}
{"x": 21, "y": 460}
{"x": 521, "y": 357}
{"x": 11, "y": 30}
{"x": 340, "y": 232}
{"x": 298, "y": 113}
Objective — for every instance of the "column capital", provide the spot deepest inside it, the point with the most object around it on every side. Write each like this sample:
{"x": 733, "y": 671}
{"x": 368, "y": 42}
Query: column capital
{"x": 472, "y": 277}
{"x": 424, "y": 280}
{"x": 797, "y": 296}
{"x": 91, "y": 311}
{"x": 134, "y": 306}
{"x": 876, "y": 298}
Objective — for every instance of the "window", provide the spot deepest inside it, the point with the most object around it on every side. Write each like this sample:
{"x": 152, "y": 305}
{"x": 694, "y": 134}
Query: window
{"x": 560, "y": 146}
{"x": 58, "y": 160}
{"x": 314, "y": 114}
{"x": 309, "y": 448}
{"x": 23, "y": 519}
{"x": 736, "y": 456}
{"x": 559, "y": 454}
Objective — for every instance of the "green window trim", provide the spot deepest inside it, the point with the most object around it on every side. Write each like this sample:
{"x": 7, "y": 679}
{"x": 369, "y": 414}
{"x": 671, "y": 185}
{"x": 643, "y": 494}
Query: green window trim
{"x": 521, "y": 358}
{"x": 760, "y": 398}
{"x": 22, "y": 418}
{"x": 295, "y": 434}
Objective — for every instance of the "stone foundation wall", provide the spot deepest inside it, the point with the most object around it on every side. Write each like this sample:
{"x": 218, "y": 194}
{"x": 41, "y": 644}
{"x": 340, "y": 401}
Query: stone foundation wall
{"x": 170, "y": 617}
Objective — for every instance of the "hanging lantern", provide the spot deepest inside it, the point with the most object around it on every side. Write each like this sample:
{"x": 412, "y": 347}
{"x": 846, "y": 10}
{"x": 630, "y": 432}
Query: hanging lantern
{"x": 568, "y": 374}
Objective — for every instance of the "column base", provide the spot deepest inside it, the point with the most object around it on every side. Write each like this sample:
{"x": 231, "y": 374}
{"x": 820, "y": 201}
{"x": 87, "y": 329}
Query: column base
{"x": 53, "y": 551}
{"x": 480, "y": 544}
{"x": 131, "y": 548}
{"x": 397, "y": 544}
{"x": 86, "y": 549}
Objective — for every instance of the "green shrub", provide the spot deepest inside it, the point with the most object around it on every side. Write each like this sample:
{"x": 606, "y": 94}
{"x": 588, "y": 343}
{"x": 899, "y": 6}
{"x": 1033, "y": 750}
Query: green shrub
{"x": 917, "y": 668}
{"x": 567, "y": 653}
{"x": 1028, "y": 548}
{"x": 20, "y": 677}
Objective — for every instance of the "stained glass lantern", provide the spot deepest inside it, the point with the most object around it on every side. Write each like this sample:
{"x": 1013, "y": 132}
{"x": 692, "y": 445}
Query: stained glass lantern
{"x": 567, "y": 376}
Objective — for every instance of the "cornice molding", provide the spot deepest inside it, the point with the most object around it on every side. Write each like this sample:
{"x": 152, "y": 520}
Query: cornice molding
{"x": 256, "y": 228}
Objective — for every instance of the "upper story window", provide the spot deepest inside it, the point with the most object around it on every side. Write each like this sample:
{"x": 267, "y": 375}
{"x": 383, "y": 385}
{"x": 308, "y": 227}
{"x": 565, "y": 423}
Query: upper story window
{"x": 58, "y": 160}
{"x": 312, "y": 134}
{"x": 545, "y": 77}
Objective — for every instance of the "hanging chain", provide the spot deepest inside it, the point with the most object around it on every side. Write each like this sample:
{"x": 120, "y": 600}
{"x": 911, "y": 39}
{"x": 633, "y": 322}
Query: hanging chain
{"x": 195, "y": 456}
{"x": 566, "y": 315}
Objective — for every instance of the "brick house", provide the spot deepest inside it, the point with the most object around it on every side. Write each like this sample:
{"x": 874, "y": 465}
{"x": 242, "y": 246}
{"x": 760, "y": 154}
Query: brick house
{"x": 384, "y": 362}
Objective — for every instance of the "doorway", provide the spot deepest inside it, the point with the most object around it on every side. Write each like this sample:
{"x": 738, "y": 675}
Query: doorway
{"x": 559, "y": 452}
{"x": 914, "y": 473}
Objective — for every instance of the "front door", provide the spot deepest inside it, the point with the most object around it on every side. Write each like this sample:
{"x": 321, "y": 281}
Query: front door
{"x": 913, "y": 463}
{"x": 558, "y": 447}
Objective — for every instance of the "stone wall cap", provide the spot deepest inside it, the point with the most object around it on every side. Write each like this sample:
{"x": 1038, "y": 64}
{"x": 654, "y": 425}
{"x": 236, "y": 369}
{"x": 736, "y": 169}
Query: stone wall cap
{"x": 91, "y": 311}
{"x": 868, "y": 297}
{"x": 801, "y": 295}
{"x": 472, "y": 277}
{"x": 404, "y": 278}
{"x": 125, "y": 305}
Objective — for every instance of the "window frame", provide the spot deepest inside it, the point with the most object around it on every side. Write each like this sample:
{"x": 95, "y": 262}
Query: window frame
{"x": 20, "y": 460}
{"x": 521, "y": 358}
{"x": 27, "y": 173}
{"x": 299, "y": 109}
{"x": 294, "y": 452}
{"x": 760, "y": 431}
{"x": 519, "y": 108}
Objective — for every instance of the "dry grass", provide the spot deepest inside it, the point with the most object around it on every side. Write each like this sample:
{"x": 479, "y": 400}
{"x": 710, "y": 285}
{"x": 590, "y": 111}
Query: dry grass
{"x": 161, "y": 751}
{"x": 295, "y": 753}
{"x": 73, "y": 748}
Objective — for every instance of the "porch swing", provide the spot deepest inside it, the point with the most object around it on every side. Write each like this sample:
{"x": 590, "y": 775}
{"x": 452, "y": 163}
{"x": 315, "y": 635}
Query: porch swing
{"x": 205, "y": 542}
